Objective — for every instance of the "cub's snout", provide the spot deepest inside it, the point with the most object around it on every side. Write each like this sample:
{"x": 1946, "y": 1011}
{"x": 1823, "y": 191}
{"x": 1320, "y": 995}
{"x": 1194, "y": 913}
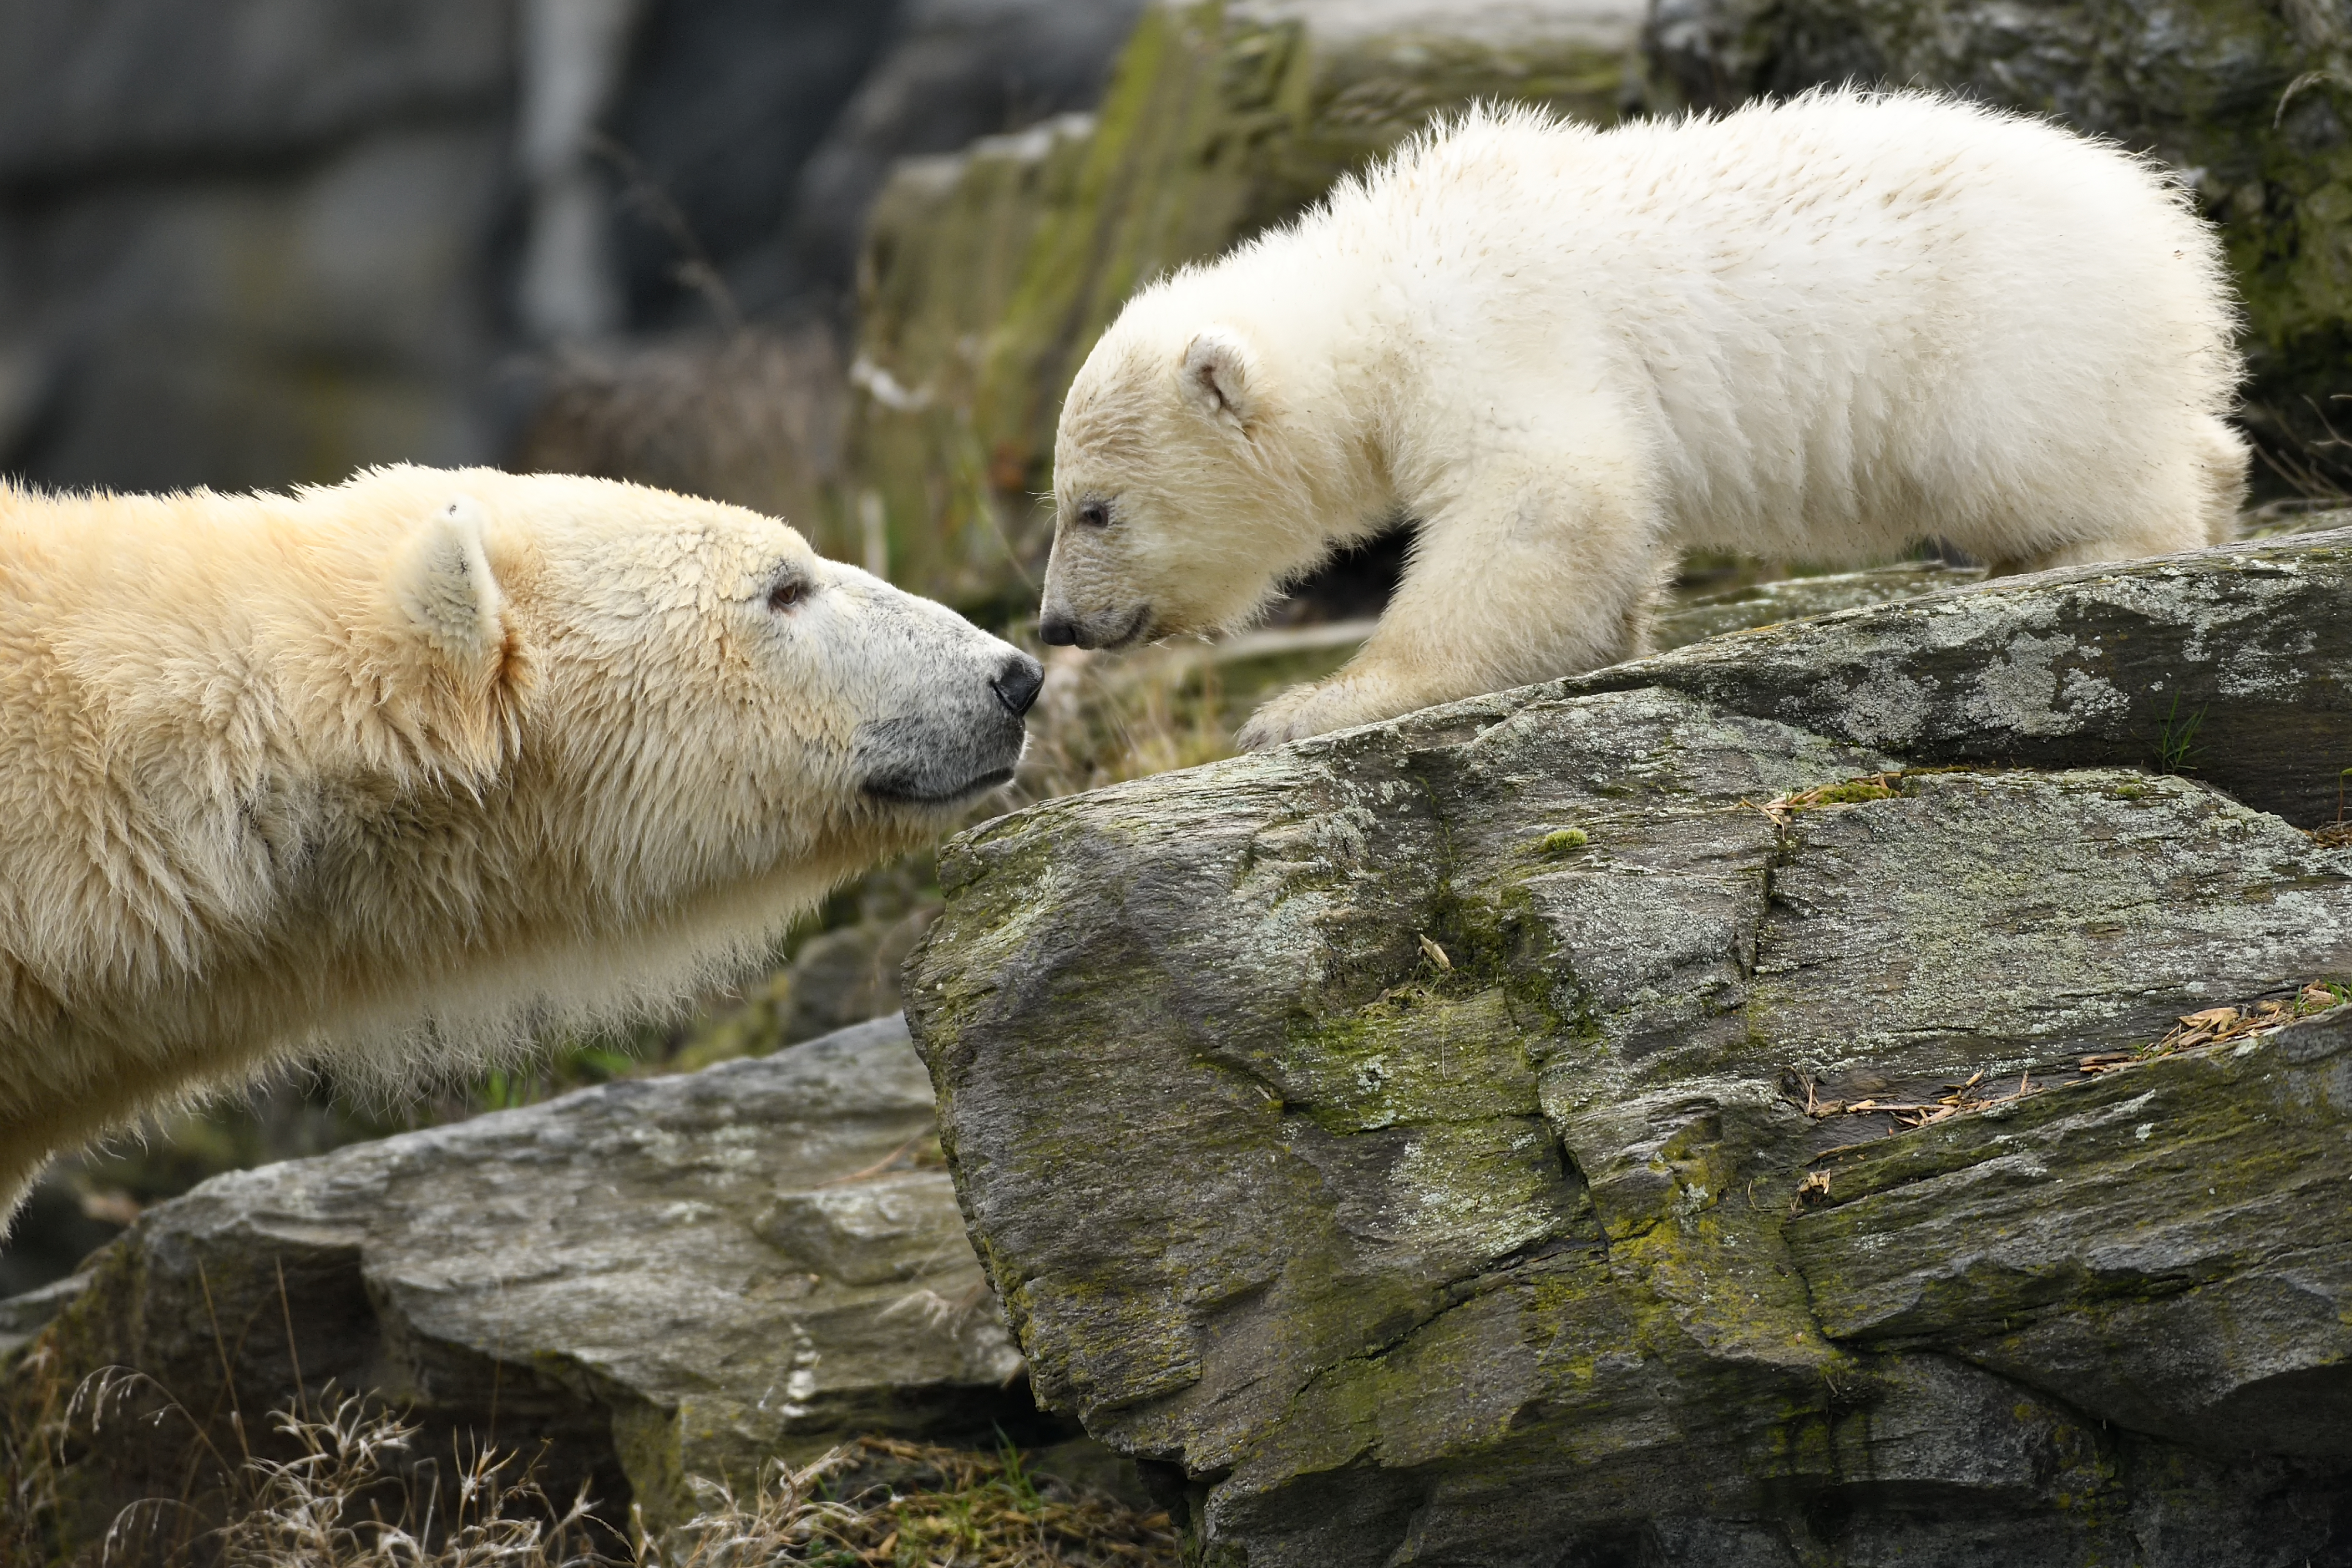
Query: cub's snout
{"x": 1110, "y": 631}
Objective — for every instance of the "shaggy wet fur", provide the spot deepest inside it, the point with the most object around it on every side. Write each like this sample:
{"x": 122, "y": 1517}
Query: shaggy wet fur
{"x": 403, "y": 771}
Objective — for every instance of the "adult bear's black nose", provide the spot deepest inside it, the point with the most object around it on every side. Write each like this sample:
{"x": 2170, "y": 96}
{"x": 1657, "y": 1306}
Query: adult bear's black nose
{"x": 1016, "y": 684}
{"x": 1059, "y": 631}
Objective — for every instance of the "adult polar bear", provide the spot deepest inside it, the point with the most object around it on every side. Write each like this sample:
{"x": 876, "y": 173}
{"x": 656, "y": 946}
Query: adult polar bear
{"x": 397, "y": 769}
{"x": 1819, "y": 331}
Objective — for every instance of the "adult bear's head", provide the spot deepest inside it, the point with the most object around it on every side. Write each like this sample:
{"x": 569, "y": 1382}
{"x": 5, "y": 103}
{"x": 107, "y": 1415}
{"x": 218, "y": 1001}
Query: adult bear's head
{"x": 703, "y": 696}
{"x": 411, "y": 771}
{"x": 611, "y": 741}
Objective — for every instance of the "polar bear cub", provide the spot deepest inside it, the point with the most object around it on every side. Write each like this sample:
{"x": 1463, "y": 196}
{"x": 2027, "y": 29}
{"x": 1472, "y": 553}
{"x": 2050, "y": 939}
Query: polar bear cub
{"x": 1823, "y": 330}
{"x": 403, "y": 770}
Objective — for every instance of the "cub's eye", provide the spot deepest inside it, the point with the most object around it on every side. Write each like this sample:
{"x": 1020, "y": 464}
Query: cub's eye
{"x": 787, "y": 594}
{"x": 1094, "y": 513}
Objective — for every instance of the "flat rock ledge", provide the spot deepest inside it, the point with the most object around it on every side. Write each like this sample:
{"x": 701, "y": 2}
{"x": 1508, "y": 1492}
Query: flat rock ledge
{"x": 641, "y": 1283}
{"x": 1458, "y": 1140}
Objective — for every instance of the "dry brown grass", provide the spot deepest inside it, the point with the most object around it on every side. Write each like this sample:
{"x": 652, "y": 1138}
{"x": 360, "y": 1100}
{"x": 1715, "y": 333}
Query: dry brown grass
{"x": 2226, "y": 1026}
{"x": 2200, "y": 1030}
{"x": 2302, "y": 452}
{"x": 349, "y": 1486}
{"x": 1103, "y": 722}
{"x": 945, "y": 1507}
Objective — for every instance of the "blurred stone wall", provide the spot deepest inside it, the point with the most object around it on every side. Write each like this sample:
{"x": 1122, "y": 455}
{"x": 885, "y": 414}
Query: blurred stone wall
{"x": 740, "y": 212}
{"x": 771, "y": 126}
{"x": 245, "y": 241}
{"x": 257, "y": 242}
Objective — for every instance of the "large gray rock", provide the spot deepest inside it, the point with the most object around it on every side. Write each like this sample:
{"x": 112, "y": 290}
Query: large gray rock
{"x": 658, "y": 1280}
{"x": 1444, "y": 1141}
{"x": 2241, "y": 658}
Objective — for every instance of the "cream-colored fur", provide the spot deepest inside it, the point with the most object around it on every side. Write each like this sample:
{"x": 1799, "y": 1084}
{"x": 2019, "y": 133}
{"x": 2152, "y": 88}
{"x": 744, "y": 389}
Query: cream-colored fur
{"x": 1820, "y": 330}
{"x": 398, "y": 772}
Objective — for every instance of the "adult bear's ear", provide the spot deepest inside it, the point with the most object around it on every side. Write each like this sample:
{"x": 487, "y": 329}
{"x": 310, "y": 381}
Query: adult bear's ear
{"x": 1218, "y": 377}
{"x": 444, "y": 585}
{"x": 456, "y": 703}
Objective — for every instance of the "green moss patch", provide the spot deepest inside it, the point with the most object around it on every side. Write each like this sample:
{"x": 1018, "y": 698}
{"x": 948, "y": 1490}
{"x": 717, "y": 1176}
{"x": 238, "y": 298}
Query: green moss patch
{"x": 1846, "y": 792}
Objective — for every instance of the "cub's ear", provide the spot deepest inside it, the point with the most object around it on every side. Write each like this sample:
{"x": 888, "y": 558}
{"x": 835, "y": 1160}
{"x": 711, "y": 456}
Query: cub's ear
{"x": 457, "y": 703}
{"x": 1219, "y": 376}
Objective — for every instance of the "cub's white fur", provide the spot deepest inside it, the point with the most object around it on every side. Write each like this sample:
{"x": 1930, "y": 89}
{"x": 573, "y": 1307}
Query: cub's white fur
{"x": 1819, "y": 331}
{"x": 402, "y": 770}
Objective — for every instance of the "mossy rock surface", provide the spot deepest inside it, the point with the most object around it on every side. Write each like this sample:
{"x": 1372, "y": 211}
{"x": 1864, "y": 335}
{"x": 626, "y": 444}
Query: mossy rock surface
{"x": 1408, "y": 1181}
{"x": 2236, "y": 662}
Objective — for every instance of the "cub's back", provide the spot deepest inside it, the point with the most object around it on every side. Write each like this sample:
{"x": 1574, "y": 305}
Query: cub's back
{"x": 1827, "y": 307}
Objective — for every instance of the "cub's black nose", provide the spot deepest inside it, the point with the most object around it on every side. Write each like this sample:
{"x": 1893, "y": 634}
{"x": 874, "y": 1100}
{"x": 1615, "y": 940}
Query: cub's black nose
{"x": 1016, "y": 684}
{"x": 1059, "y": 631}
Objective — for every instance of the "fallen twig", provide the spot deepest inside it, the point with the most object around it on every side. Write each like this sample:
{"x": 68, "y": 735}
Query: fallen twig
{"x": 1845, "y": 791}
{"x": 2224, "y": 1026}
{"x": 1956, "y": 1100}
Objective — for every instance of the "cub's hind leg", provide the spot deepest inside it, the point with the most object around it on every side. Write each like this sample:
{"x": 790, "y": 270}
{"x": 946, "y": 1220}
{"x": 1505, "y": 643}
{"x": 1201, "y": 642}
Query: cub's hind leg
{"x": 2222, "y": 461}
{"x": 2195, "y": 506}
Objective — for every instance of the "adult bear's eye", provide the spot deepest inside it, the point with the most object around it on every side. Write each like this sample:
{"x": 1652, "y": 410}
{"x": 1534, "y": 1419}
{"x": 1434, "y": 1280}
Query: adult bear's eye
{"x": 787, "y": 594}
{"x": 1094, "y": 513}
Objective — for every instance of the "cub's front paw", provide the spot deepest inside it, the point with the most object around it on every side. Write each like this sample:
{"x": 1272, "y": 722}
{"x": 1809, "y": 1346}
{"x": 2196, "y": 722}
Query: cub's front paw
{"x": 1305, "y": 710}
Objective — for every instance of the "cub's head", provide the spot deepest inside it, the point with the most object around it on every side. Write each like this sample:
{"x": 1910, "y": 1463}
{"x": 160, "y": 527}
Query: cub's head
{"x": 1186, "y": 484}
{"x": 710, "y": 702}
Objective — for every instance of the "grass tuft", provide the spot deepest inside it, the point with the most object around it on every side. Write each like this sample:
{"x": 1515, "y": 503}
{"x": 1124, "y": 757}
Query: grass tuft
{"x": 1103, "y": 721}
{"x": 2175, "y": 744}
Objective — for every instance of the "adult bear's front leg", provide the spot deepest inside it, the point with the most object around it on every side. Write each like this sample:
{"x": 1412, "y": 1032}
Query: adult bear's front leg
{"x": 1539, "y": 571}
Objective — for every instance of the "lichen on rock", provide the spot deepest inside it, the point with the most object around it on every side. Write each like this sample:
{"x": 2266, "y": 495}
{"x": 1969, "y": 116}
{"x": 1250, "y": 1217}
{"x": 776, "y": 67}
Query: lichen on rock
{"x": 1406, "y": 1189}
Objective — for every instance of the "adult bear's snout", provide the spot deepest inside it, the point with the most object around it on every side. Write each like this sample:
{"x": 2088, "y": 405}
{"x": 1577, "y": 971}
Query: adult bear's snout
{"x": 1017, "y": 684}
